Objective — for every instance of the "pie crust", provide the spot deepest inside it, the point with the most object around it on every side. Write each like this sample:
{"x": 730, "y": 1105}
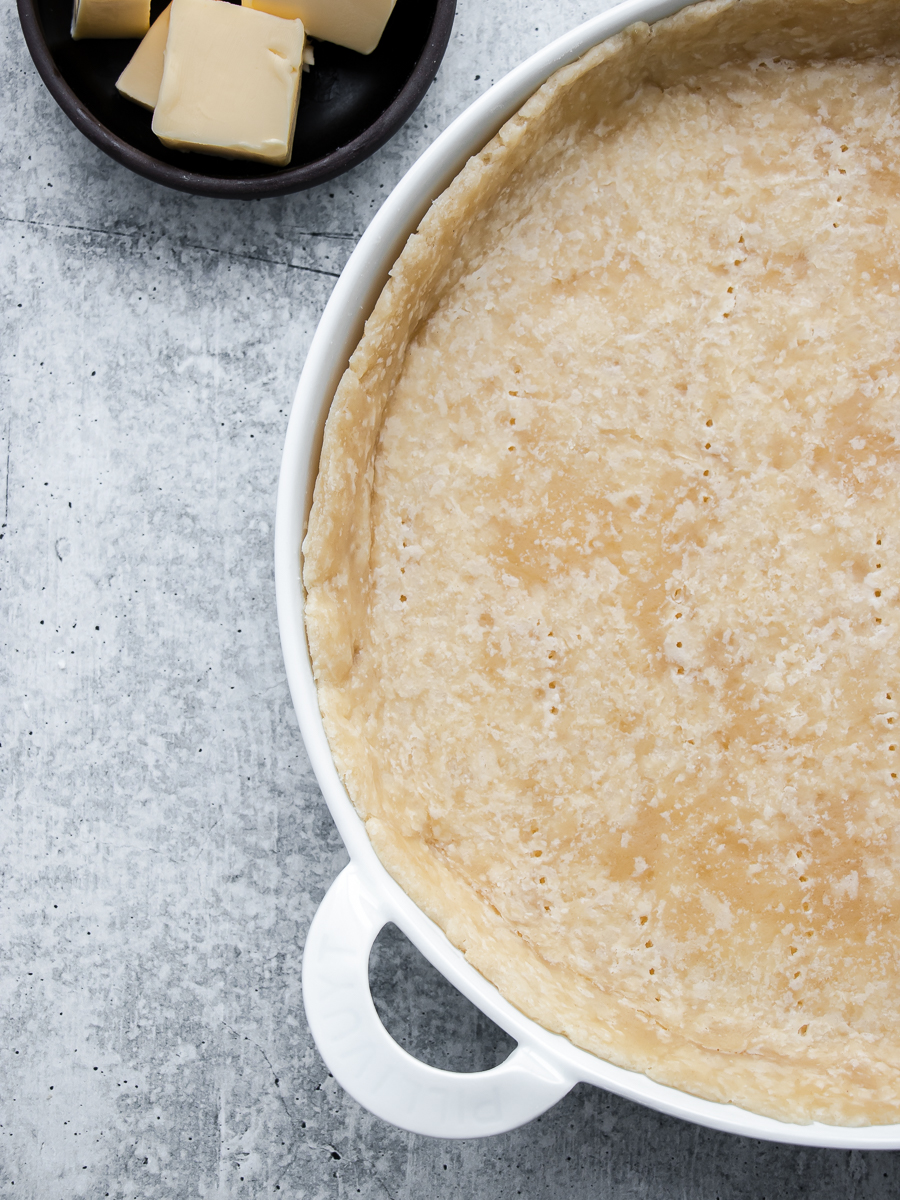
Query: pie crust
{"x": 603, "y": 563}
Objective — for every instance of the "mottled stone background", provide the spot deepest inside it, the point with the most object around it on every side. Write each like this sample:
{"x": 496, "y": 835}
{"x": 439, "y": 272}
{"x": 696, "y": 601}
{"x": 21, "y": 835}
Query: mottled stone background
{"x": 163, "y": 845}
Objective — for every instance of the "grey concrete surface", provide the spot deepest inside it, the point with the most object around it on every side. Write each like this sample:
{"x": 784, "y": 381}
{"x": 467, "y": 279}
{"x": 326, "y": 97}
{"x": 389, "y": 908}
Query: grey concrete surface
{"x": 163, "y": 844}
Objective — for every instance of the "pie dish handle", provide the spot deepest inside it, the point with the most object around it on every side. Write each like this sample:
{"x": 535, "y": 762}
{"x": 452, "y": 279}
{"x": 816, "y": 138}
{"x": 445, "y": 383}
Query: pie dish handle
{"x": 370, "y": 1065}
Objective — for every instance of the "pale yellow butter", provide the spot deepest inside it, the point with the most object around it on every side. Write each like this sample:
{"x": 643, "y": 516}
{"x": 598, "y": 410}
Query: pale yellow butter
{"x": 141, "y": 78}
{"x": 356, "y": 24}
{"x": 231, "y": 81}
{"x": 110, "y": 18}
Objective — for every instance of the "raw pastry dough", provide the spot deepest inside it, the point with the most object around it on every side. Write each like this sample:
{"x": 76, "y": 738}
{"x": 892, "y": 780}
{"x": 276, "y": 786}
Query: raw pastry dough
{"x": 604, "y": 560}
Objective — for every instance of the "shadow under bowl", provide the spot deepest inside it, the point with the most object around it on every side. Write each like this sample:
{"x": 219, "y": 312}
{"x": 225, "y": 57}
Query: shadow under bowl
{"x": 350, "y": 104}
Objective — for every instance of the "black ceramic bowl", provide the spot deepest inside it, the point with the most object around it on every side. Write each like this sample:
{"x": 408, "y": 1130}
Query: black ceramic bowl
{"x": 350, "y": 103}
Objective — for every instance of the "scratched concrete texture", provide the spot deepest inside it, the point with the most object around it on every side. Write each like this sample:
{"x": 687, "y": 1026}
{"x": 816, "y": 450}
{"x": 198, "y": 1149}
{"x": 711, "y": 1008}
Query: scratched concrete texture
{"x": 163, "y": 844}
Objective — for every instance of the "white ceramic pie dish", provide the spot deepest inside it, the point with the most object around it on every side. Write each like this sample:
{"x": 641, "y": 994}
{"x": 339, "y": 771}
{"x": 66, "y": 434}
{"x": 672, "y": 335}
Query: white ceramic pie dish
{"x": 353, "y": 1042}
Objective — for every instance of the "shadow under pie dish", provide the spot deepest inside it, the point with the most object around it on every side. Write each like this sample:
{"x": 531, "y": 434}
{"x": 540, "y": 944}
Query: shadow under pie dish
{"x": 600, "y": 595}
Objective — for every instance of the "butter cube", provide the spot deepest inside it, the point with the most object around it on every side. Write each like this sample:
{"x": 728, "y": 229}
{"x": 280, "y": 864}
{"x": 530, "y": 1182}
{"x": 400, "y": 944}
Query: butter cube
{"x": 141, "y": 78}
{"x": 231, "y": 82}
{"x": 356, "y": 24}
{"x": 110, "y": 18}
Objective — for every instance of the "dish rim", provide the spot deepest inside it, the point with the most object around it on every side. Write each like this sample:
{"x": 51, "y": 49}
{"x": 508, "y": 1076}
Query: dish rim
{"x": 336, "y": 337}
{"x": 275, "y": 183}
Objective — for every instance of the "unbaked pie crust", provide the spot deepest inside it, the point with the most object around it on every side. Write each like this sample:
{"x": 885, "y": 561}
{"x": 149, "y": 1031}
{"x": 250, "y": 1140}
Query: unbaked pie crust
{"x": 603, "y": 565}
